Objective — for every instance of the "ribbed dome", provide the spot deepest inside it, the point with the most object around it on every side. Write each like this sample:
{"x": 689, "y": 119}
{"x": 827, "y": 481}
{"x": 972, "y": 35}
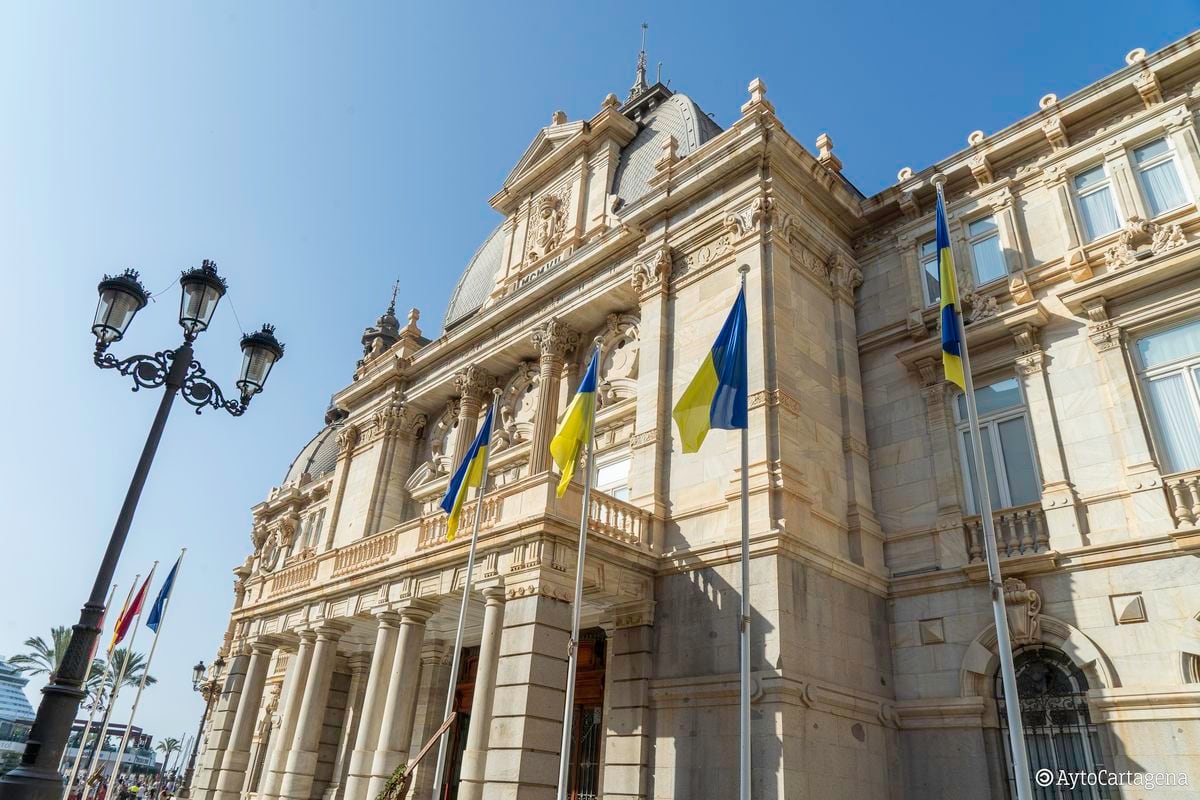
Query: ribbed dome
{"x": 318, "y": 457}
{"x": 675, "y": 116}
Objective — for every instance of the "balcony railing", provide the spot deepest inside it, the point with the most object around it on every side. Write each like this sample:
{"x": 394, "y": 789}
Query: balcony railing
{"x": 618, "y": 520}
{"x": 1183, "y": 494}
{"x": 1019, "y": 531}
{"x": 366, "y": 553}
{"x": 433, "y": 526}
{"x": 294, "y": 577}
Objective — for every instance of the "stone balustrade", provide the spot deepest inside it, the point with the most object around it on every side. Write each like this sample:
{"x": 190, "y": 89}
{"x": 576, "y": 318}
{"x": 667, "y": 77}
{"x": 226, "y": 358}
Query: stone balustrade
{"x": 615, "y": 519}
{"x": 361, "y": 555}
{"x": 1183, "y": 495}
{"x": 434, "y": 526}
{"x": 1019, "y": 531}
{"x": 295, "y": 577}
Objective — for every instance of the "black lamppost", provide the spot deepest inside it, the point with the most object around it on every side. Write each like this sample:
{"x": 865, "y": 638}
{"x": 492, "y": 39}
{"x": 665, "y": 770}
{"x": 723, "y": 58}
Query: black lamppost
{"x": 121, "y": 297}
{"x": 209, "y": 690}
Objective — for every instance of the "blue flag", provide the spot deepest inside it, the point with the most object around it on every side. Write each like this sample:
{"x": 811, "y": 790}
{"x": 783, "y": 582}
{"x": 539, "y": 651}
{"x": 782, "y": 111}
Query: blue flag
{"x": 160, "y": 602}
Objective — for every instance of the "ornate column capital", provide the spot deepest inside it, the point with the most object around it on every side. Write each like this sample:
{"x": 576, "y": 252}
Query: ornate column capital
{"x": 651, "y": 274}
{"x": 554, "y": 340}
{"x": 347, "y": 438}
{"x": 397, "y": 419}
{"x": 473, "y": 383}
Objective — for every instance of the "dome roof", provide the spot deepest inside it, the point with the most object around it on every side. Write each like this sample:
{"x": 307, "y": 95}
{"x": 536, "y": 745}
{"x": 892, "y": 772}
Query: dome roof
{"x": 318, "y": 457}
{"x": 675, "y": 116}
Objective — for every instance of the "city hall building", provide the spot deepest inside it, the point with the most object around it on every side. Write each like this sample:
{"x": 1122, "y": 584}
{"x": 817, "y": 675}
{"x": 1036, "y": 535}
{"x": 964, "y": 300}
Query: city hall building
{"x": 1076, "y": 234}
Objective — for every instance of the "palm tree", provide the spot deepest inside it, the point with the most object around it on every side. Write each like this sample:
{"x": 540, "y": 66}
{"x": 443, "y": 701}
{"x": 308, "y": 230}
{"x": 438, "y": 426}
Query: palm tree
{"x": 133, "y": 671}
{"x": 167, "y": 747}
{"x": 43, "y": 658}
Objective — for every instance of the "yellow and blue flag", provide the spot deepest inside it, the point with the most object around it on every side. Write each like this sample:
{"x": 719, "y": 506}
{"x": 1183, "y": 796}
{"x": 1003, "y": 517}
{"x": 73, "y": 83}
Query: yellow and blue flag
{"x": 468, "y": 474}
{"x": 717, "y": 396}
{"x": 951, "y": 330}
{"x": 576, "y": 426}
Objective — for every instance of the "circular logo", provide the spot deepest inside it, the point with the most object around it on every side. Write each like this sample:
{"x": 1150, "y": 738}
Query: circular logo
{"x": 1044, "y": 777}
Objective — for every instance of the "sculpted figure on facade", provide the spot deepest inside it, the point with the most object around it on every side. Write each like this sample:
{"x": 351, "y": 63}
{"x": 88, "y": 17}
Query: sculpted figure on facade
{"x": 550, "y": 224}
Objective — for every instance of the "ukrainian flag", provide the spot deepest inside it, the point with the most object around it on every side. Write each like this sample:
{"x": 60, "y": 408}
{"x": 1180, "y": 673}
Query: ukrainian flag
{"x": 716, "y": 397}
{"x": 576, "y": 426}
{"x": 468, "y": 474}
{"x": 951, "y": 331}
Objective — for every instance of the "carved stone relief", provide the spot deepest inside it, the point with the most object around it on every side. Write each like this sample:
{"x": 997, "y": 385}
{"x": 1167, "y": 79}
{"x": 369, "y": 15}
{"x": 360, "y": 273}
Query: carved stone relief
{"x": 518, "y": 407}
{"x": 621, "y": 343}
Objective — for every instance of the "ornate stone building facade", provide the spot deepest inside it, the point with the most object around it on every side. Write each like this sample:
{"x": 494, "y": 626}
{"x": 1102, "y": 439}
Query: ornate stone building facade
{"x": 1075, "y": 233}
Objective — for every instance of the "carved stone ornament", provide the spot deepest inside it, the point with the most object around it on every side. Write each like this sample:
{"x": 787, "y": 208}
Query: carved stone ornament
{"x": 743, "y": 222}
{"x": 979, "y": 307}
{"x": 621, "y": 342}
{"x": 1141, "y": 239}
{"x": 397, "y": 419}
{"x": 549, "y": 224}
{"x": 555, "y": 339}
{"x": 473, "y": 382}
{"x": 844, "y": 274}
{"x": 518, "y": 407}
{"x": 653, "y": 272}
{"x": 347, "y": 438}
{"x": 1024, "y": 607}
{"x": 437, "y": 439}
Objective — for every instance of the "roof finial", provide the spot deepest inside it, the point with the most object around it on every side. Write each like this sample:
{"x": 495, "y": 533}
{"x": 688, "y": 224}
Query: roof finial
{"x": 639, "y": 83}
{"x": 395, "y": 289}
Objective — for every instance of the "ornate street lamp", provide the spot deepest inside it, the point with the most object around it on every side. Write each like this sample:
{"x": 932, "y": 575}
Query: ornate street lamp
{"x": 121, "y": 297}
{"x": 208, "y": 689}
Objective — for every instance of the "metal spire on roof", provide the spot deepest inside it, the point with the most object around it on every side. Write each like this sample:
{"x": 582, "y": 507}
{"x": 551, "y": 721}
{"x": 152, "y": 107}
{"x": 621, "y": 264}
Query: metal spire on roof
{"x": 395, "y": 289}
{"x": 639, "y": 83}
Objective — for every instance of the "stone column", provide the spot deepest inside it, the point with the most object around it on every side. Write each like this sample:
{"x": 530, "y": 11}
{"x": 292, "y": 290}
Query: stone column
{"x": 220, "y": 726}
{"x": 554, "y": 341}
{"x": 627, "y": 697}
{"x": 395, "y": 731}
{"x": 373, "y": 704}
{"x": 301, "y": 762}
{"x": 470, "y": 786}
{"x": 527, "y": 708}
{"x": 472, "y": 384}
{"x": 360, "y": 664}
{"x": 289, "y": 704}
{"x": 430, "y": 708}
{"x": 237, "y": 753}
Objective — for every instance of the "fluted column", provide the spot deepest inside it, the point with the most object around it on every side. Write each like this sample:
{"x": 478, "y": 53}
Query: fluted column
{"x": 237, "y": 755}
{"x": 360, "y": 665}
{"x": 471, "y": 777}
{"x": 395, "y": 731}
{"x": 293, "y": 693}
{"x": 472, "y": 384}
{"x": 554, "y": 341}
{"x": 373, "y": 705}
{"x": 301, "y": 762}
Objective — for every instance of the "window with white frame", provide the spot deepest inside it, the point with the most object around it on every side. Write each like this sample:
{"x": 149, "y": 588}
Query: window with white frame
{"x": 930, "y": 274}
{"x": 1158, "y": 174}
{"x": 612, "y": 476}
{"x": 1169, "y": 363}
{"x": 987, "y": 257}
{"x": 311, "y": 529}
{"x": 1097, "y": 204}
{"x": 1008, "y": 452}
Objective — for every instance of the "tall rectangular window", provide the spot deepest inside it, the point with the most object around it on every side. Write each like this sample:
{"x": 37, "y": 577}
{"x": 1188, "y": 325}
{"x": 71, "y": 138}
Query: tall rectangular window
{"x": 987, "y": 257}
{"x": 1158, "y": 173}
{"x": 930, "y": 275}
{"x": 612, "y": 478}
{"x": 1093, "y": 191}
{"x": 1169, "y": 363}
{"x": 1007, "y": 447}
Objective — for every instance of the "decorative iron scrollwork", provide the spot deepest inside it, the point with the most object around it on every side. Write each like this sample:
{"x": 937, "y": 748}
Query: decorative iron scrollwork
{"x": 150, "y": 372}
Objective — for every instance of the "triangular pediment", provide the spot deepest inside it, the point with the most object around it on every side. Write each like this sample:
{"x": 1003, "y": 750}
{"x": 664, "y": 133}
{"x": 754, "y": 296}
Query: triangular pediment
{"x": 548, "y": 140}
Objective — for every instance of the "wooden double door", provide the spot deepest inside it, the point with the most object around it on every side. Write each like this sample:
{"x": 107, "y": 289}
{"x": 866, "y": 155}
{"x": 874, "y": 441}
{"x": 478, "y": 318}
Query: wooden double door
{"x": 587, "y": 729}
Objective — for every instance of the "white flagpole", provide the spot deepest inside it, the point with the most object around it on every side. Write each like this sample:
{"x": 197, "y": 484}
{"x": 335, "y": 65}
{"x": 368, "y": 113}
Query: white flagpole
{"x": 112, "y": 700}
{"x": 87, "y": 728}
{"x": 564, "y": 756}
{"x": 92, "y": 711}
{"x": 1008, "y": 674}
{"x": 744, "y": 622}
{"x": 444, "y": 739}
{"x": 145, "y": 672}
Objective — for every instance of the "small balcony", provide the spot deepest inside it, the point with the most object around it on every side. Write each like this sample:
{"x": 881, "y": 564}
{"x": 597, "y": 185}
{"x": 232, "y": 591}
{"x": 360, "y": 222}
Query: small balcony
{"x": 1020, "y": 531}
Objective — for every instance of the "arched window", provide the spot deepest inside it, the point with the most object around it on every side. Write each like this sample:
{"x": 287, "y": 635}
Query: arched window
{"x": 1059, "y": 732}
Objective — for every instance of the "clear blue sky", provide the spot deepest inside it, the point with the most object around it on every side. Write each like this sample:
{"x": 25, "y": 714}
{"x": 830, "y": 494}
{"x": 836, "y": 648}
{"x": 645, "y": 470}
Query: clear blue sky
{"x": 319, "y": 151}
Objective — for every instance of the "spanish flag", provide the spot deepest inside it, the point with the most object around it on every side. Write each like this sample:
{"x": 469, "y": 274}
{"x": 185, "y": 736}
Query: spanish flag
{"x": 468, "y": 474}
{"x": 951, "y": 331}
{"x": 576, "y": 426}
{"x": 716, "y": 397}
{"x": 125, "y": 621}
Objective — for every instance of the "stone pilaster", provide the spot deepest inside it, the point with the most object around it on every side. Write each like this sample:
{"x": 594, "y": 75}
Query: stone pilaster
{"x": 431, "y": 707}
{"x": 652, "y": 438}
{"x": 395, "y": 428}
{"x": 527, "y": 708}
{"x": 360, "y": 664}
{"x": 289, "y": 712}
{"x": 375, "y": 697}
{"x": 471, "y": 777}
{"x": 347, "y": 441}
{"x": 396, "y": 725}
{"x": 950, "y": 545}
{"x": 554, "y": 341}
{"x": 237, "y": 753}
{"x": 301, "y": 764}
{"x": 627, "y": 701}
{"x": 220, "y": 727}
